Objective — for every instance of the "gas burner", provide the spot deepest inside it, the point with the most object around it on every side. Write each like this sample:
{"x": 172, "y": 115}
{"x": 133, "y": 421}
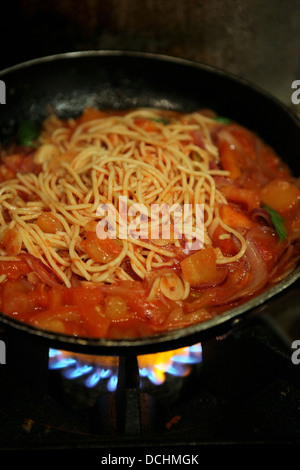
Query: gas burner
{"x": 240, "y": 389}
{"x": 115, "y": 389}
{"x": 93, "y": 370}
{"x": 82, "y": 379}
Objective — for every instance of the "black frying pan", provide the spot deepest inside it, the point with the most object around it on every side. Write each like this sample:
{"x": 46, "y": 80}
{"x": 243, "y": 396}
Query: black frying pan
{"x": 70, "y": 82}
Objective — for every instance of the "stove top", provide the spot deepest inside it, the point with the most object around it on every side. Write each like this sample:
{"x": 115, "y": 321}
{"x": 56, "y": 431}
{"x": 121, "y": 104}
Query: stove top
{"x": 245, "y": 392}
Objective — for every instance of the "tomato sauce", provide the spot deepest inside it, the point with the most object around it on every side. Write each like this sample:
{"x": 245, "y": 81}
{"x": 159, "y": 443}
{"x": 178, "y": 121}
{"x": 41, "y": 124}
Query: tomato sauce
{"x": 263, "y": 203}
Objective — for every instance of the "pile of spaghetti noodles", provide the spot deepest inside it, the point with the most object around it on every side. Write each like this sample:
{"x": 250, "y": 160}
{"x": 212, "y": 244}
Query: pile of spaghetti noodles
{"x": 52, "y": 254}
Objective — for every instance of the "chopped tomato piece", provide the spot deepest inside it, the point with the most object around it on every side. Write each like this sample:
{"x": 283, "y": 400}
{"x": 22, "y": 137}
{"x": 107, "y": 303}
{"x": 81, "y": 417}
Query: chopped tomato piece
{"x": 14, "y": 269}
{"x": 48, "y": 223}
{"x": 15, "y": 299}
{"x": 234, "y": 218}
{"x": 230, "y": 157}
{"x": 84, "y": 296}
{"x": 116, "y": 307}
{"x": 6, "y": 173}
{"x": 19, "y": 163}
{"x": 247, "y": 198}
{"x": 200, "y": 267}
{"x": 61, "y": 320}
{"x": 281, "y": 195}
{"x": 100, "y": 250}
{"x": 40, "y": 295}
{"x": 138, "y": 303}
{"x": 95, "y": 322}
{"x": 11, "y": 241}
{"x": 147, "y": 124}
{"x": 56, "y": 296}
{"x": 246, "y": 139}
{"x": 226, "y": 245}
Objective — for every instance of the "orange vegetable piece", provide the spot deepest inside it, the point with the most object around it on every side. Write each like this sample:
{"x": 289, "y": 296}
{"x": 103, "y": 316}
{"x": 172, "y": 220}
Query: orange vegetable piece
{"x": 226, "y": 245}
{"x": 100, "y": 250}
{"x": 115, "y": 307}
{"x": 281, "y": 195}
{"x": 15, "y": 298}
{"x": 84, "y": 296}
{"x": 11, "y": 241}
{"x": 6, "y": 173}
{"x": 48, "y": 223}
{"x": 234, "y": 218}
{"x": 146, "y": 124}
{"x": 248, "y": 198}
{"x": 200, "y": 267}
{"x": 246, "y": 139}
{"x": 60, "y": 319}
{"x": 14, "y": 269}
{"x": 229, "y": 159}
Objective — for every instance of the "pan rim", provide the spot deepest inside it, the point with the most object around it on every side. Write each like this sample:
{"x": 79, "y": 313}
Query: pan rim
{"x": 152, "y": 56}
{"x": 161, "y": 340}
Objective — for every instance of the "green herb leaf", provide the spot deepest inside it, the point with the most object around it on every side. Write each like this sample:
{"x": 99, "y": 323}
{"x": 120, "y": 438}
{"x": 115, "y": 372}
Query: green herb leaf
{"x": 27, "y": 133}
{"x": 277, "y": 221}
{"x": 222, "y": 119}
{"x": 161, "y": 120}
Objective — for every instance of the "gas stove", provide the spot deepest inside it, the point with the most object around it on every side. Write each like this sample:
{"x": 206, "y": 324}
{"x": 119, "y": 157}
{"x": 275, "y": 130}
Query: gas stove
{"x": 240, "y": 390}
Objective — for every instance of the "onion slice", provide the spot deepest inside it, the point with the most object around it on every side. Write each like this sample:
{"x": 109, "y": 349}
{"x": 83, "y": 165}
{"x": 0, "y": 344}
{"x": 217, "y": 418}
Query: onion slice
{"x": 261, "y": 215}
{"x": 45, "y": 274}
{"x": 257, "y": 270}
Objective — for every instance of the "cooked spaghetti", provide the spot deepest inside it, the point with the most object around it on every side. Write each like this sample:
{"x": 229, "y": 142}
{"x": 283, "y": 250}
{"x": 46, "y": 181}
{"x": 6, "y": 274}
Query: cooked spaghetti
{"x": 58, "y": 273}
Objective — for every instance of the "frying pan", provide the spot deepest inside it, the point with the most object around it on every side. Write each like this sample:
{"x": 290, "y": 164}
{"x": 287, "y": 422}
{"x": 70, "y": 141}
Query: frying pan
{"x": 115, "y": 79}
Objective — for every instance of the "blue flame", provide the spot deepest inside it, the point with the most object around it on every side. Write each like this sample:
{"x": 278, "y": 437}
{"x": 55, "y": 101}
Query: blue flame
{"x": 73, "y": 368}
{"x": 144, "y": 371}
{"x": 101, "y": 374}
{"x": 112, "y": 383}
{"x": 93, "y": 379}
{"x": 78, "y": 371}
{"x": 60, "y": 361}
{"x": 194, "y": 355}
{"x": 105, "y": 373}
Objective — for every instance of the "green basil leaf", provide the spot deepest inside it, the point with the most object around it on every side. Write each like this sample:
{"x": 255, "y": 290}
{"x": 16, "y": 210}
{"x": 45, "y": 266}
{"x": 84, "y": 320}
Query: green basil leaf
{"x": 277, "y": 221}
{"x": 161, "y": 120}
{"x": 27, "y": 133}
{"x": 222, "y": 119}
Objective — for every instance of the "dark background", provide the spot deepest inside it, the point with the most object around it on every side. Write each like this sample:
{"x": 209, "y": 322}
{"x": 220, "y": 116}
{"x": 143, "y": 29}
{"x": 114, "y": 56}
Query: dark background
{"x": 256, "y": 39}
